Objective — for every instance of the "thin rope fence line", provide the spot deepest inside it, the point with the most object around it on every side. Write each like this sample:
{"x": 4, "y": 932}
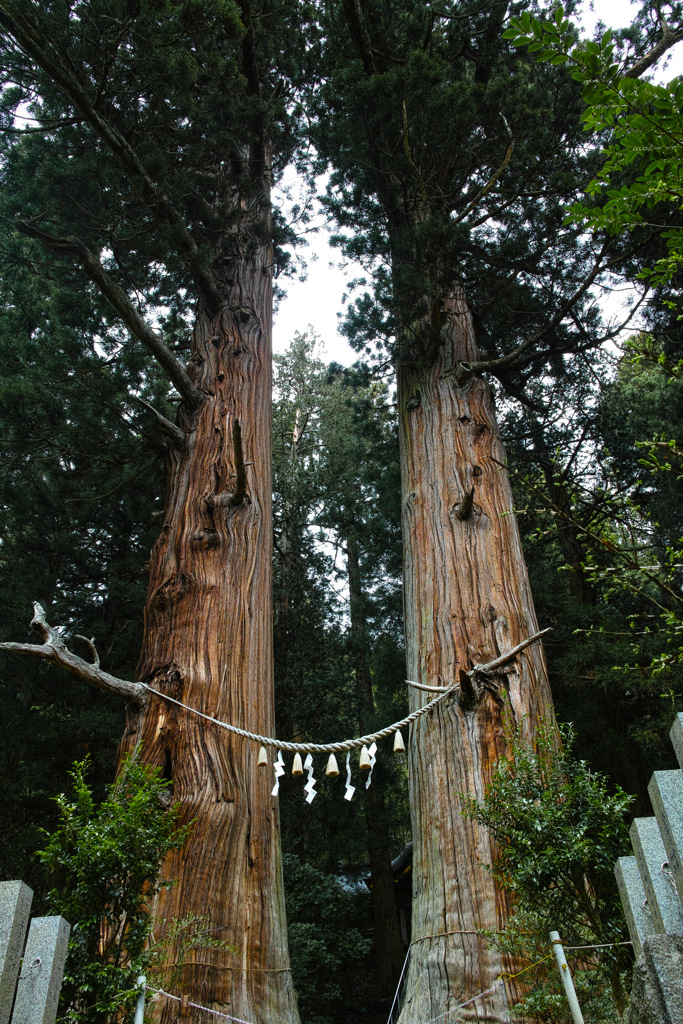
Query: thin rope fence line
{"x": 197, "y": 1006}
{"x": 311, "y": 748}
{"x": 398, "y": 987}
{"x": 501, "y": 980}
{"x": 487, "y": 992}
{"x": 439, "y": 935}
{"x": 602, "y": 945}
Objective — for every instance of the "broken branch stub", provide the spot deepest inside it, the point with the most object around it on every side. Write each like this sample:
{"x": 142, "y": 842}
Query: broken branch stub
{"x": 55, "y": 650}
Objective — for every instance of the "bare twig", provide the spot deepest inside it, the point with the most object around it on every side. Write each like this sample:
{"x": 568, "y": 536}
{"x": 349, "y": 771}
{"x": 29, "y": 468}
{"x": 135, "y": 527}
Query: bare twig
{"x": 91, "y": 645}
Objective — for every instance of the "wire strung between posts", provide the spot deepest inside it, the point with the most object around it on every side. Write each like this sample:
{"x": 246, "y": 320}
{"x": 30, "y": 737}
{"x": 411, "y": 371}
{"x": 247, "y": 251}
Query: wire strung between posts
{"x": 311, "y": 748}
{"x": 602, "y": 945}
{"x": 360, "y": 741}
{"x": 494, "y": 988}
{"x": 196, "y": 1006}
{"x": 506, "y": 976}
{"x": 398, "y": 987}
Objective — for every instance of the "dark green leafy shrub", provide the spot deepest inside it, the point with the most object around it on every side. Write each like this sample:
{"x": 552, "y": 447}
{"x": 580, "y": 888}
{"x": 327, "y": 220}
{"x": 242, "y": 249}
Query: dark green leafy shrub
{"x": 560, "y": 828}
{"x": 106, "y": 860}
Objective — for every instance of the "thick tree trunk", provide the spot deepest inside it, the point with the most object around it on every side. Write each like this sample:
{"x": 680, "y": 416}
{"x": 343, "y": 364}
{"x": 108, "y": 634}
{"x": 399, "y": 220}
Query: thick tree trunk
{"x": 208, "y": 643}
{"x": 467, "y": 600}
{"x": 389, "y": 950}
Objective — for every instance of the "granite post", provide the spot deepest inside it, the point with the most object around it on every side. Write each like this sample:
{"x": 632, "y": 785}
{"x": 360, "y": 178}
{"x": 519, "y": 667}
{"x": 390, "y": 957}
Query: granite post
{"x": 41, "y": 971}
{"x": 15, "y": 907}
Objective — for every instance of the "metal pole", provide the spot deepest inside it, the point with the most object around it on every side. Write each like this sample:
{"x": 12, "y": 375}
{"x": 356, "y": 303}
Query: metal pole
{"x": 566, "y": 976}
{"x": 140, "y": 1006}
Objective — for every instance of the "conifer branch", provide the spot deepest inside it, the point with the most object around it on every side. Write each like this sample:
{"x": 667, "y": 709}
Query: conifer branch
{"x": 669, "y": 38}
{"x": 55, "y": 650}
{"x": 36, "y": 45}
{"x": 138, "y": 327}
{"x": 172, "y": 429}
{"x": 488, "y": 186}
{"x": 513, "y": 359}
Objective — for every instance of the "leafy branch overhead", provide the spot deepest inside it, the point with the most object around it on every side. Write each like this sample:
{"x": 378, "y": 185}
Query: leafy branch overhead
{"x": 643, "y": 127}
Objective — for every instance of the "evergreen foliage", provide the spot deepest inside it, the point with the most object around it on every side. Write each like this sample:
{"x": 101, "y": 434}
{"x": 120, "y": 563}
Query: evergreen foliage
{"x": 639, "y": 120}
{"x": 453, "y": 159}
{"x": 82, "y": 483}
{"x": 604, "y": 513}
{"x": 328, "y": 947}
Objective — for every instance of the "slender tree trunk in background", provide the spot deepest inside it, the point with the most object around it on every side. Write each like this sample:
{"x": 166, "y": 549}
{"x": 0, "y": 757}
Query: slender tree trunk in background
{"x": 467, "y": 600}
{"x": 568, "y": 535}
{"x": 287, "y": 555}
{"x": 631, "y": 771}
{"x": 389, "y": 950}
{"x": 208, "y": 643}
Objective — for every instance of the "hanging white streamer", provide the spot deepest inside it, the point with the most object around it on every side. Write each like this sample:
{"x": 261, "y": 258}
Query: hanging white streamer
{"x": 372, "y": 751}
{"x": 309, "y": 787}
{"x": 350, "y": 790}
{"x": 279, "y": 766}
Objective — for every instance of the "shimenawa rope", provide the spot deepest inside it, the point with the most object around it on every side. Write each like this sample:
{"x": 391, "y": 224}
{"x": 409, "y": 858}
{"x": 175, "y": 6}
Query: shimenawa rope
{"x": 360, "y": 741}
{"x": 311, "y": 748}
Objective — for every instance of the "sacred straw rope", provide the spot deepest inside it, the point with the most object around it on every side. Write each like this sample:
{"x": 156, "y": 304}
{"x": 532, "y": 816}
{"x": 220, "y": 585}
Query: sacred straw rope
{"x": 360, "y": 741}
{"x": 311, "y": 748}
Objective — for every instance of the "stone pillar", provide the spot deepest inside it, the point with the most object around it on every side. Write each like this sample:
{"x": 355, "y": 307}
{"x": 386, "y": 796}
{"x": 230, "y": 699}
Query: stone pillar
{"x": 41, "y": 971}
{"x": 633, "y": 899}
{"x": 652, "y": 858}
{"x": 657, "y": 993}
{"x": 666, "y": 794}
{"x": 15, "y": 907}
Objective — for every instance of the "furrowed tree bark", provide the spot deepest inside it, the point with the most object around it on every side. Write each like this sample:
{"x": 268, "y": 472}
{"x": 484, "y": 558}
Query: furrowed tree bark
{"x": 467, "y": 600}
{"x": 208, "y": 643}
{"x": 389, "y": 949}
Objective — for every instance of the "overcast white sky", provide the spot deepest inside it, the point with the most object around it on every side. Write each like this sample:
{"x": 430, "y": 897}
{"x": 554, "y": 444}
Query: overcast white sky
{"x": 318, "y": 300}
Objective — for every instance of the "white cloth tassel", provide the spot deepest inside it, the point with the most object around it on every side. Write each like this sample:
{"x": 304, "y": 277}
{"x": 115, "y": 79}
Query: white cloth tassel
{"x": 372, "y": 751}
{"x": 309, "y": 787}
{"x": 279, "y": 766}
{"x": 350, "y": 790}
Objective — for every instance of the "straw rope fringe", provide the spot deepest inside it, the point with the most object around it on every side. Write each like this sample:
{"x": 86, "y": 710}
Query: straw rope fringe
{"x": 360, "y": 741}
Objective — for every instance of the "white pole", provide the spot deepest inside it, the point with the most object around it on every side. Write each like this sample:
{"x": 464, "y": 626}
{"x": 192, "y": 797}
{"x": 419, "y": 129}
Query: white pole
{"x": 566, "y": 976}
{"x": 140, "y": 1007}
